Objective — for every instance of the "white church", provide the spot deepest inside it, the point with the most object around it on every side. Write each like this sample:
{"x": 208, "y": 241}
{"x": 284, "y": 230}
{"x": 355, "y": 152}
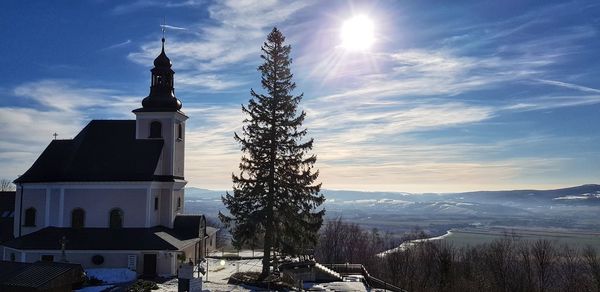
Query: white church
{"x": 113, "y": 196}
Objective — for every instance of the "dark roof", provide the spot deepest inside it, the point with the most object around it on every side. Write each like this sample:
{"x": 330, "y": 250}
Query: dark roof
{"x": 36, "y": 275}
{"x": 8, "y": 269}
{"x": 189, "y": 226}
{"x": 105, "y": 150}
{"x": 155, "y": 238}
{"x": 7, "y": 211}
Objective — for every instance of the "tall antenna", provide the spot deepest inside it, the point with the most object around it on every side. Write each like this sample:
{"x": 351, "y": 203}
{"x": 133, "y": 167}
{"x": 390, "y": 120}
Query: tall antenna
{"x": 163, "y": 26}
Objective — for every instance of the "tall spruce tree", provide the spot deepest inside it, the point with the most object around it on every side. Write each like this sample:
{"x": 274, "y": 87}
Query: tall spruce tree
{"x": 275, "y": 194}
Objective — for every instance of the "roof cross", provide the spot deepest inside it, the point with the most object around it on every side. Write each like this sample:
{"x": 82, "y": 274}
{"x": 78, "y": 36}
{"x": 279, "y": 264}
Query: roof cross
{"x": 55, "y": 135}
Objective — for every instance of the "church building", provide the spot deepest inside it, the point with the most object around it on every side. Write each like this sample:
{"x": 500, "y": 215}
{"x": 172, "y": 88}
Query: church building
{"x": 113, "y": 196}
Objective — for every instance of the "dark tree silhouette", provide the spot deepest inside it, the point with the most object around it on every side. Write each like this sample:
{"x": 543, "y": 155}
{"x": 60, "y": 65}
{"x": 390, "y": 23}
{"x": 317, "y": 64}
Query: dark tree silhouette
{"x": 275, "y": 193}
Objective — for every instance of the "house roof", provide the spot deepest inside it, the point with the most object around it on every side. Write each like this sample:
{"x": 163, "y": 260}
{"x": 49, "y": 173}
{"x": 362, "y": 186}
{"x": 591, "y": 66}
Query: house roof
{"x": 188, "y": 226}
{"x": 35, "y": 275}
{"x": 154, "y": 238}
{"x": 105, "y": 150}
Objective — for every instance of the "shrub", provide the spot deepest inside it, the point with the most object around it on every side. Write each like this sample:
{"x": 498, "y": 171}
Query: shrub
{"x": 142, "y": 286}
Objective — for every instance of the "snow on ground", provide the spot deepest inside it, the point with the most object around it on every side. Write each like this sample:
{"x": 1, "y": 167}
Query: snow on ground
{"x": 219, "y": 271}
{"x": 112, "y": 276}
{"x": 336, "y": 286}
{"x": 171, "y": 286}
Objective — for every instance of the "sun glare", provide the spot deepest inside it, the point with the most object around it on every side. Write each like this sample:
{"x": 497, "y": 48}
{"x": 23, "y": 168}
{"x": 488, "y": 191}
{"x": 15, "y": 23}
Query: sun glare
{"x": 357, "y": 33}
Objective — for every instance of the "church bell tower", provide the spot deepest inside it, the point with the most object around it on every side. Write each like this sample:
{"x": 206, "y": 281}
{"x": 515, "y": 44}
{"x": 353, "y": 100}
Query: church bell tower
{"x": 160, "y": 117}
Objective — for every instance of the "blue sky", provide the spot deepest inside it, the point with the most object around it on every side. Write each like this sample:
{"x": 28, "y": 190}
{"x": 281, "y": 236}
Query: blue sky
{"x": 452, "y": 96}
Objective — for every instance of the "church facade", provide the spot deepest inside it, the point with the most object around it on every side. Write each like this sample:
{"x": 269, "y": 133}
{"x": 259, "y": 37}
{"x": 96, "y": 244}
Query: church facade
{"x": 113, "y": 196}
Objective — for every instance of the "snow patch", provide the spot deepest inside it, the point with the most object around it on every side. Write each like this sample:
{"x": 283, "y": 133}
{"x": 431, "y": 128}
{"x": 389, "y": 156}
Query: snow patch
{"x": 585, "y": 196}
{"x": 112, "y": 276}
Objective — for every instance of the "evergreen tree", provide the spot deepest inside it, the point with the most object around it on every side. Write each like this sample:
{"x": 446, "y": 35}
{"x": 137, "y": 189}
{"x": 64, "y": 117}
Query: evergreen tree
{"x": 275, "y": 193}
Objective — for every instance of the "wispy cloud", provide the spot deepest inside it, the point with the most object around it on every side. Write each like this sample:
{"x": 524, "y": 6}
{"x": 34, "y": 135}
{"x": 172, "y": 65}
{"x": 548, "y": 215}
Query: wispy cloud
{"x": 59, "y": 106}
{"x": 117, "y": 45}
{"x": 214, "y": 82}
{"x": 569, "y": 85}
{"x": 166, "y": 26}
{"x": 62, "y": 95}
{"x": 232, "y": 38}
{"x": 143, "y": 4}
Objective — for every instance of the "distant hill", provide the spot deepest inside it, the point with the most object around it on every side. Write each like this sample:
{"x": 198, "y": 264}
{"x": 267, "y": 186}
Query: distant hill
{"x": 481, "y": 203}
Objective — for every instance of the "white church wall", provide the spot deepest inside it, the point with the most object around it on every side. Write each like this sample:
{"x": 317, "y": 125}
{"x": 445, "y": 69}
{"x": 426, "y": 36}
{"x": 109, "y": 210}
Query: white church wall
{"x": 97, "y": 204}
{"x": 166, "y": 207}
{"x": 154, "y": 213}
{"x": 165, "y": 165}
{"x": 8, "y": 254}
{"x": 33, "y": 198}
{"x": 179, "y": 146}
{"x": 16, "y": 216}
{"x": 53, "y": 207}
{"x": 112, "y": 259}
{"x": 165, "y": 263}
{"x": 178, "y": 197}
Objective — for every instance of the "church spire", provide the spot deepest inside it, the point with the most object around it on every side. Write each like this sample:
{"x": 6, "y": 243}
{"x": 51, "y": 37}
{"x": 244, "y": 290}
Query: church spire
{"x": 162, "y": 92}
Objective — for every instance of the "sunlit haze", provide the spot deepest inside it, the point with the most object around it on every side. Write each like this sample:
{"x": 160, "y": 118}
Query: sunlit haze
{"x": 357, "y": 33}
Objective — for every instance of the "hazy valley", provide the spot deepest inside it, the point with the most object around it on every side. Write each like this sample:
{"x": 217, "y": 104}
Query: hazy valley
{"x": 474, "y": 216}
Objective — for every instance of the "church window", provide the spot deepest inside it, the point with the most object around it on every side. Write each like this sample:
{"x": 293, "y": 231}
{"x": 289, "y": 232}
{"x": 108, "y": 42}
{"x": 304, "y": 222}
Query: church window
{"x": 116, "y": 218}
{"x": 78, "y": 218}
{"x": 179, "y": 132}
{"x": 155, "y": 130}
{"x": 178, "y": 203}
{"x": 30, "y": 217}
{"x": 155, "y": 203}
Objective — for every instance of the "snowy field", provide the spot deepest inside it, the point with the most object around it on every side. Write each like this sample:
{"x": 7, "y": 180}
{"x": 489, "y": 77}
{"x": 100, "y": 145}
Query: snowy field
{"x": 219, "y": 272}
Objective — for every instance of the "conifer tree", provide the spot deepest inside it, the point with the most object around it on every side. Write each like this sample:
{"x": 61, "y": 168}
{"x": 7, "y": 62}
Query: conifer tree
{"x": 275, "y": 193}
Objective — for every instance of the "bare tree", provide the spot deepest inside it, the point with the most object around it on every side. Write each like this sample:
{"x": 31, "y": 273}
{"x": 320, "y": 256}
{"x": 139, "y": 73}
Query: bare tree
{"x": 6, "y": 185}
{"x": 593, "y": 264}
{"x": 544, "y": 256}
{"x": 571, "y": 270}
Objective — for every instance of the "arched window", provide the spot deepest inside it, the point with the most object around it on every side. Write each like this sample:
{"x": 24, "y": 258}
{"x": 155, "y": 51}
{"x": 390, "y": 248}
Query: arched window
{"x": 78, "y": 218}
{"x": 155, "y": 130}
{"x": 178, "y": 203}
{"x": 116, "y": 218}
{"x": 179, "y": 131}
{"x": 30, "y": 217}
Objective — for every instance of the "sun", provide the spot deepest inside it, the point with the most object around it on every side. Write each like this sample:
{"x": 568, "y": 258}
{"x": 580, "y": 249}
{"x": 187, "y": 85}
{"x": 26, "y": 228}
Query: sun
{"x": 358, "y": 33}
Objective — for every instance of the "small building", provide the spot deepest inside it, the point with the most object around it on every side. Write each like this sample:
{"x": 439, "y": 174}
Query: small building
{"x": 113, "y": 196}
{"x": 39, "y": 276}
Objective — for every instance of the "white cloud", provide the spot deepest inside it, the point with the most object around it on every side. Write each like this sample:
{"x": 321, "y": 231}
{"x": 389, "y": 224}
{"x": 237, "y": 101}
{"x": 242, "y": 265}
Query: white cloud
{"x": 117, "y": 45}
{"x": 213, "y": 82}
{"x": 62, "y": 107}
{"x": 234, "y": 37}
